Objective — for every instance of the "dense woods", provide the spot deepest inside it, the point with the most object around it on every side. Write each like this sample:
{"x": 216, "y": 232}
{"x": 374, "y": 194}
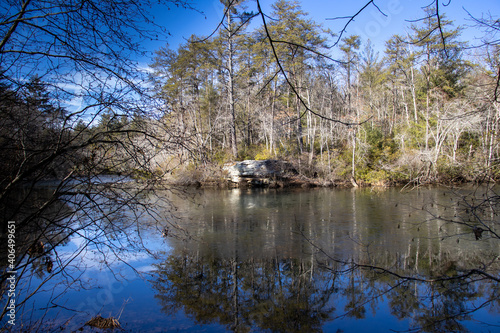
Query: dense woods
{"x": 424, "y": 109}
{"x": 421, "y": 108}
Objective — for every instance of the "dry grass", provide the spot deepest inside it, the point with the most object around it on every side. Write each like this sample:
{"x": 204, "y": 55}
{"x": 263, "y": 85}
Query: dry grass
{"x": 101, "y": 322}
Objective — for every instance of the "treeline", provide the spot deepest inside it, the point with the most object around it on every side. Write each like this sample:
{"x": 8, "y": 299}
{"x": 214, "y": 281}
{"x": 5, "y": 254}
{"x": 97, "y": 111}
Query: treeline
{"x": 30, "y": 130}
{"x": 40, "y": 139}
{"x": 424, "y": 110}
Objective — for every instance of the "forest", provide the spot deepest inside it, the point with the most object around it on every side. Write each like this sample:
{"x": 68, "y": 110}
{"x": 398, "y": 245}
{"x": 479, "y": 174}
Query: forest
{"x": 425, "y": 110}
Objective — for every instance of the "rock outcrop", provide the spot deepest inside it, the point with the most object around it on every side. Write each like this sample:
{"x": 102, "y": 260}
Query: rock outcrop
{"x": 272, "y": 173}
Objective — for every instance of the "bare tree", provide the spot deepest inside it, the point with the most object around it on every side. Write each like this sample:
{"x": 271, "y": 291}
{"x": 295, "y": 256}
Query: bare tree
{"x": 74, "y": 108}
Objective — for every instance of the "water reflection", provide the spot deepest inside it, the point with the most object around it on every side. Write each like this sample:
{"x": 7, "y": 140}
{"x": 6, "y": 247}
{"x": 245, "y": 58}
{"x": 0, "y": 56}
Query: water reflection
{"x": 64, "y": 235}
{"x": 256, "y": 293}
{"x": 308, "y": 261}
{"x": 292, "y": 295}
{"x": 268, "y": 260}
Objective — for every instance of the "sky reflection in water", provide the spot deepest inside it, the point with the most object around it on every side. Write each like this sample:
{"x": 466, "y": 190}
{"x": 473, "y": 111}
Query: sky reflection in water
{"x": 265, "y": 260}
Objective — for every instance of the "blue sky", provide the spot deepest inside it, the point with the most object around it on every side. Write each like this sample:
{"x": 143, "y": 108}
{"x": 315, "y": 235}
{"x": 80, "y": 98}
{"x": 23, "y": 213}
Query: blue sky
{"x": 370, "y": 24}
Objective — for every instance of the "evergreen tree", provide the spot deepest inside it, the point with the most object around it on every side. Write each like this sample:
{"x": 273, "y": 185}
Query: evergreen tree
{"x": 294, "y": 37}
{"x": 437, "y": 44}
{"x": 349, "y": 47}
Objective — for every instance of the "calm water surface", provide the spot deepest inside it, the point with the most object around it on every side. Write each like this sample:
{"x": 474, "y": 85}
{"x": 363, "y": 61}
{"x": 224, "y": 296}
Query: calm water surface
{"x": 289, "y": 260}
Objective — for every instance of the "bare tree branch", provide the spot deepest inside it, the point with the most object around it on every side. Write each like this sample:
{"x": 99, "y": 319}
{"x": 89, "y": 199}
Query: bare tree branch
{"x": 290, "y": 84}
{"x": 441, "y": 28}
{"x": 14, "y": 25}
{"x": 351, "y": 19}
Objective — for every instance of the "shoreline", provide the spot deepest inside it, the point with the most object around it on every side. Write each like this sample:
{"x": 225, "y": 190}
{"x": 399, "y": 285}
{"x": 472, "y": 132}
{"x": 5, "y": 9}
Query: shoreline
{"x": 283, "y": 174}
{"x": 303, "y": 182}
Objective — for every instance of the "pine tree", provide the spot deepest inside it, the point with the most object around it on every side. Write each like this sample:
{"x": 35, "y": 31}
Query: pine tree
{"x": 294, "y": 36}
{"x": 437, "y": 44}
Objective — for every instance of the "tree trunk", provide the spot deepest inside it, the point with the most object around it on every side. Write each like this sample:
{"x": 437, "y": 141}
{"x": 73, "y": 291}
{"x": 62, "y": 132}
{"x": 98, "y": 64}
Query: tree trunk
{"x": 234, "y": 145}
{"x": 300, "y": 142}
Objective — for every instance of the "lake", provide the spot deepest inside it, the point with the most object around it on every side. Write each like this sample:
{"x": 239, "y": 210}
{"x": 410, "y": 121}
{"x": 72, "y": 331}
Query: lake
{"x": 333, "y": 260}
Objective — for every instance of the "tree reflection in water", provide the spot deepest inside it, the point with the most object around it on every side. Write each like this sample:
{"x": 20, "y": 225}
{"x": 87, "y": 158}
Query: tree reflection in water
{"x": 270, "y": 294}
{"x": 221, "y": 279}
{"x": 292, "y": 295}
{"x": 316, "y": 260}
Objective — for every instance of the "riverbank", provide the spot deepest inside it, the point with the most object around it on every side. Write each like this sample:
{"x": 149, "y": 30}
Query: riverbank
{"x": 283, "y": 174}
